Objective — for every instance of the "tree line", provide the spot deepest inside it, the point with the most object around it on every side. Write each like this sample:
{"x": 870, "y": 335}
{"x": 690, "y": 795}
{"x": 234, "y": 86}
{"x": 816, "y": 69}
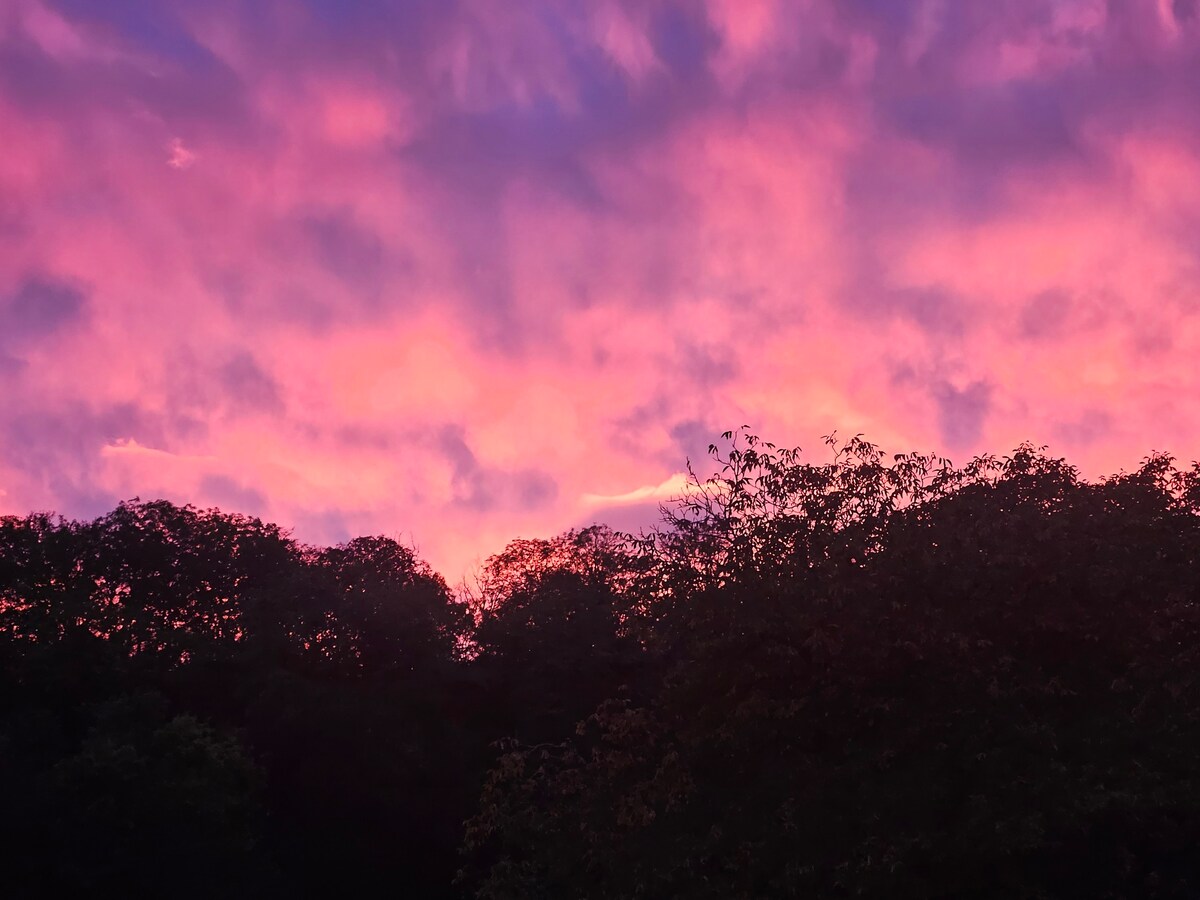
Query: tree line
{"x": 869, "y": 677}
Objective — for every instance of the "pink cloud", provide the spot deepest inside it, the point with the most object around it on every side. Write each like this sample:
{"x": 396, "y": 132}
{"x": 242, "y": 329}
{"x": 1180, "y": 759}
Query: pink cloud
{"x": 459, "y": 274}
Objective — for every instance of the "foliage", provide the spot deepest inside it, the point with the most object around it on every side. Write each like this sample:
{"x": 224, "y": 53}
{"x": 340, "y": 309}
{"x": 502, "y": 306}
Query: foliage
{"x": 871, "y": 677}
{"x": 887, "y": 679}
{"x": 297, "y": 713}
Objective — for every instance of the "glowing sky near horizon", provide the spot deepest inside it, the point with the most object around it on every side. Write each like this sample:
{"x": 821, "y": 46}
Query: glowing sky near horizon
{"x": 459, "y": 272}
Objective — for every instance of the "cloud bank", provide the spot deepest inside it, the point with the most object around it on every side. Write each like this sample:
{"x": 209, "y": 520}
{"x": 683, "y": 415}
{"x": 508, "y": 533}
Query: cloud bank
{"x": 459, "y": 271}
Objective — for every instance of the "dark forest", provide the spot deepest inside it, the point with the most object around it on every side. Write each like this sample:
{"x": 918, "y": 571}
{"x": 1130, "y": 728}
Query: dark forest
{"x": 874, "y": 676}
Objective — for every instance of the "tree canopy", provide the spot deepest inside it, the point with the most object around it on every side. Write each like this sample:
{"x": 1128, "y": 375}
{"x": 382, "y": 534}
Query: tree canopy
{"x": 872, "y": 677}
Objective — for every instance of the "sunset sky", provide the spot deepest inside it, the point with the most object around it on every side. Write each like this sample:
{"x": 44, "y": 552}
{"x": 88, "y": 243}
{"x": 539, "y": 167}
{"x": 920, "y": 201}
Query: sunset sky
{"x": 459, "y": 272}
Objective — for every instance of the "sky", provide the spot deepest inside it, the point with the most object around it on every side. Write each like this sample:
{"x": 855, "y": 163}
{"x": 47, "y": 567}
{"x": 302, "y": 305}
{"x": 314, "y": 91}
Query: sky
{"x": 458, "y": 271}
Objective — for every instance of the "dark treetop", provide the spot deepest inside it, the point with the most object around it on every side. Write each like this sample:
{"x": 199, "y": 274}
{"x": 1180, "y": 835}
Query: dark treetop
{"x": 866, "y": 678}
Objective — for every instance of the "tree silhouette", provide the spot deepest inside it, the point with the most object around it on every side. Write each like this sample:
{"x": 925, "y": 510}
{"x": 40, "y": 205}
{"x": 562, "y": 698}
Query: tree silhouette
{"x": 896, "y": 679}
{"x": 304, "y": 682}
{"x": 873, "y": 677}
